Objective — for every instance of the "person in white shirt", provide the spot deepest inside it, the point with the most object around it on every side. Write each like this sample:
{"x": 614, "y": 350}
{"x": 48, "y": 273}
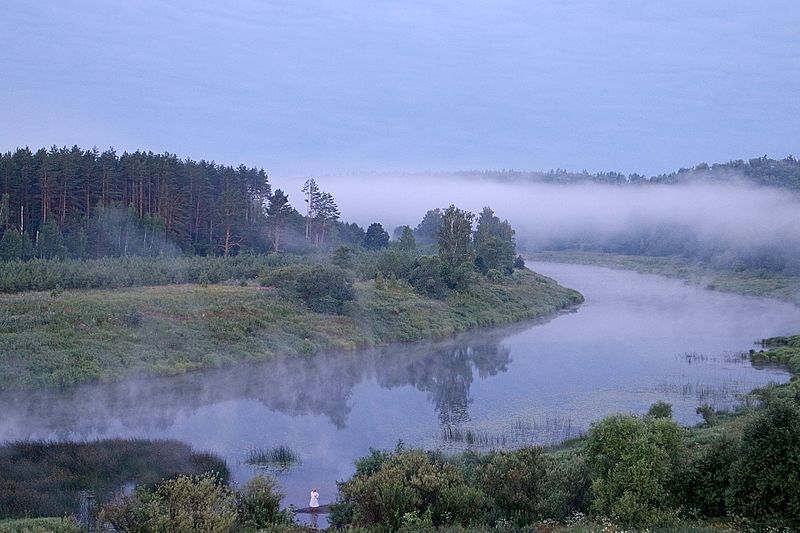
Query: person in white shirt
{"x": 314, "y": 503}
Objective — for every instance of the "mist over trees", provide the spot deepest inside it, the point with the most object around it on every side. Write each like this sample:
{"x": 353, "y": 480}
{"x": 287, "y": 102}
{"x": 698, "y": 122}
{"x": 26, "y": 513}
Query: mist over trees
{"x": 782, "y": 173}
{"x": 70, "y": 202}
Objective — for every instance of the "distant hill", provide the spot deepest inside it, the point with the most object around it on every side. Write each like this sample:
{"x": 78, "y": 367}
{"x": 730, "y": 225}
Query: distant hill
{"x": 782, "y": 173}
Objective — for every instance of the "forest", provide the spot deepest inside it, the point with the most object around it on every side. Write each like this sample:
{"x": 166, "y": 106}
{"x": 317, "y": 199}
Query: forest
{"x": 71, "y": 202}
{"x": 86, "y": 204}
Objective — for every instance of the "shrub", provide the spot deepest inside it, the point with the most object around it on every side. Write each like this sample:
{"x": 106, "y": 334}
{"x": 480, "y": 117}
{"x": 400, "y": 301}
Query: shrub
{"x": 463, "y": 504}
{"x": 407, "y": 482}
{"x": 178, "y": 505}
{"x": 708, "y": 413}
{"x": 765, "y": 479}
{"x": 323, "y": 288}
{"x": 566, "y": 488}
{"x": 706, "y": 478}
{"x": 259, "y": 503}
{"x": 634, "y": 461}
{"x": 426, "y": 277}
{"x": 516, "y": 480}
{"x": 660, "y": 409}
{"x": 343, "y": 257}
{"x": 394, "y": 263}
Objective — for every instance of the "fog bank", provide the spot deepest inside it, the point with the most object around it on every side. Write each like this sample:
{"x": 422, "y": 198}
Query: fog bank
{"x": 708, "y": 219}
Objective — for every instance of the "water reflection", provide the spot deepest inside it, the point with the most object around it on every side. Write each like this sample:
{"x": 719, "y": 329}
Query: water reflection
{"x": 320, "y": 385}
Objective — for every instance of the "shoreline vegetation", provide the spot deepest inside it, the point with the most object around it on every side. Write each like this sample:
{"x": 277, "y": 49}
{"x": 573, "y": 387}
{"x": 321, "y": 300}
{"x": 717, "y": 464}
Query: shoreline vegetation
{"x": 78, "y": 336}
{"x": 747, "y": 282}
{"x": 734, "y": 472}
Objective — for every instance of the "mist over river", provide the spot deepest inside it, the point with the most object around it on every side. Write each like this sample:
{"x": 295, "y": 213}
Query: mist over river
{"x": 637, "y": 339}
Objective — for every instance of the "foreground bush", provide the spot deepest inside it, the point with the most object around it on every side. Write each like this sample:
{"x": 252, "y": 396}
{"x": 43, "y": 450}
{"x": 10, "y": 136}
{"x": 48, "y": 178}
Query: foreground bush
{"x": 407, "y": 482}
{"x": 765, "y": 479}
{"x": 516, "y": 480}
{"x": 179, "y": 505}
{"x": 259, "y": 504}
{"x": 199, "y": 504}
{"x": 634, "y": 462}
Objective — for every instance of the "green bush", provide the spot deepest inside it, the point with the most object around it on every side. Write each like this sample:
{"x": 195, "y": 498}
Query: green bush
{"x": 407, "y": 482}
{"x": 426, "y": 277}
{"x": 634, "y": 462}
{"x": 323, "y": 288}
{"x": 178, "y": 505}
{"x": 516, "y": 480}
{"x": 708, "y": 413}
{"x": 765, "y": 479}
{"x": 705, "y": 480}
{"x": 259, "y": 503}
{"x": 566, "y": 488}
{"x": 660, "y": 409}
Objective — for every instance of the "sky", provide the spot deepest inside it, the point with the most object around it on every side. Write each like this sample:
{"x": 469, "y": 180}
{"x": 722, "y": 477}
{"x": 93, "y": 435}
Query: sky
{"x": 311, "y": 88}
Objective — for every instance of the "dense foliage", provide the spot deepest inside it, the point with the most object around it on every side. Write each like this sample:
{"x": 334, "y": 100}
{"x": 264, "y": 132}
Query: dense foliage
{"x": 198, "y": 503}
{"x": 117, "y": 272}
{"x": 323, "y": 288}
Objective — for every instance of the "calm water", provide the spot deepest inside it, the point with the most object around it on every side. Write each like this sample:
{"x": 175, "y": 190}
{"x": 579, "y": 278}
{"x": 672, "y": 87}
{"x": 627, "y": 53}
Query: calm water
{"x": 637, "y": 339}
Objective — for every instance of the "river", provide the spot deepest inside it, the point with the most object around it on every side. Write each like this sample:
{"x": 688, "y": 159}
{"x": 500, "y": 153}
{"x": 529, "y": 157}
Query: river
{"x": 637, "y": 339}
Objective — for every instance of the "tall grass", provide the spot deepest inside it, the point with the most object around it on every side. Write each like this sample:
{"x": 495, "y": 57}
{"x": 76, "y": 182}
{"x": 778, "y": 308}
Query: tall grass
{"x": 279, "y": 456}
{"x": 547, "y": 430}
{"x": 40, "y": 478}
{"x": 116, "y": 272}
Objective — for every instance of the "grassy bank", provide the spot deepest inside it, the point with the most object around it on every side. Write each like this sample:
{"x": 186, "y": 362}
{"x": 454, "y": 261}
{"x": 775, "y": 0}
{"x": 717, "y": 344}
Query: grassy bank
{"x": 39, "y": 525}
{"x": 747, "y": 282}
{"x": 64, "y": 338}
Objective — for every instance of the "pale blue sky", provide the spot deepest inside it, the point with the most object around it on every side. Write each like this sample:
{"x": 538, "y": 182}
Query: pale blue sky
{"x": 315, "y": 87}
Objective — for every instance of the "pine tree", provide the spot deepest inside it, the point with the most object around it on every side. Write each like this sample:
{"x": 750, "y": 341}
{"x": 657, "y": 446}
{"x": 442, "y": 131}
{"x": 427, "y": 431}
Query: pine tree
{"x": 278, "y": 213}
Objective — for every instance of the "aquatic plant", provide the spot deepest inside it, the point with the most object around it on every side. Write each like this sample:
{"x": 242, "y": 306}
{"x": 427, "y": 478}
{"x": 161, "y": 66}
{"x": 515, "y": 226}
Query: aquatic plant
{"x": 282, "y": 456}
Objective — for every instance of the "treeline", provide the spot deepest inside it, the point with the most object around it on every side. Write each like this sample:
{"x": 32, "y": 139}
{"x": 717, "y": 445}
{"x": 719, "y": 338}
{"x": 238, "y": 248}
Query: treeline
{"x": 70, "y": 202}
{"x": 448, "y": 256}
{"x": 782, "y": 173}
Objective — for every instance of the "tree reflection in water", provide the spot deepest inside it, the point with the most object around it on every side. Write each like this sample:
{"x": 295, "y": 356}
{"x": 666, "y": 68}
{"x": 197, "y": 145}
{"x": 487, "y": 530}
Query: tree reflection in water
{"x": 318, "y": 385}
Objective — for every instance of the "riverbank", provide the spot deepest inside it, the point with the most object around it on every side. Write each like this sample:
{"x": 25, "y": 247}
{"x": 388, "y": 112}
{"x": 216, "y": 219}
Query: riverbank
{"x": 627, "y": 473}
{"x": 745, "y": 282}
{"x": 62, "y": 338}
